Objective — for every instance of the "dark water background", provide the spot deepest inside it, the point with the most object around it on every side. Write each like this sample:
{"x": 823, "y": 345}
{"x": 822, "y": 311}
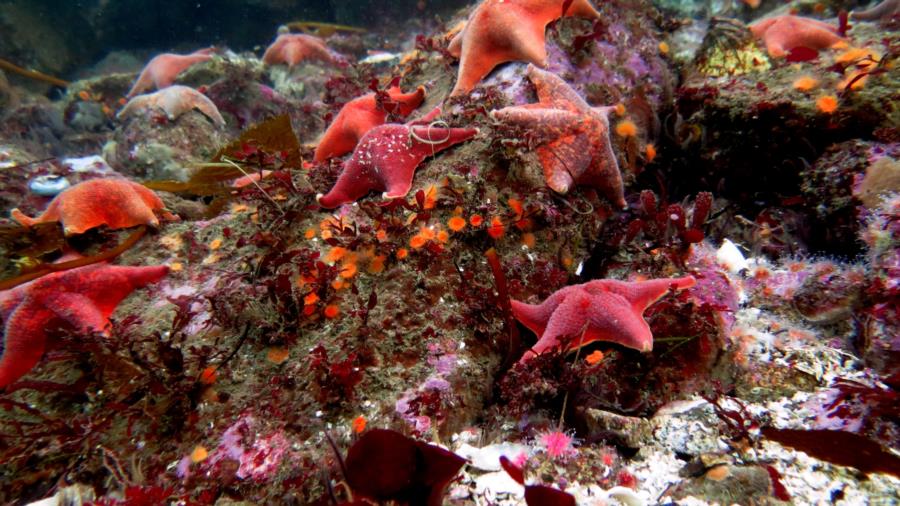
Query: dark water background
{"x": 61, "y": 36}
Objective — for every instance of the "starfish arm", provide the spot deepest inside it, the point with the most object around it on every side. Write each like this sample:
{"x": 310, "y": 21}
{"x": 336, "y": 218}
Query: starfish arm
{"x": 529, "y": 43}
{"x": 194, "y": 58}
{"x": 455, "y": 45}
{"x": 176, "y": 100}
{"x": 611, "y": 318}
{"x": 471, "y": 73}
{"x": 882, "y": 10}
{"x": 535, "y": 316}
{"x": 10, "y": 300}
{"x": 209, "y": 109}
{"x": 24, "y": 341}
{"x": 147, "y": 196}
{"x": 582, "y": 9}
{"x": 293, "y": 54}
{"x": 603, "y": 112}
{"x": 354, "y": 182}
{"x": 407, "y": 102}
{"x": 108, "y": 285}
{"x": 569, "y": 319}
{"x": 759, "y": 28}
{"x": 784, "y": 33}
{"x": 823, "y": 39}
{"x": 87, "y": 296}
{"x": 164, "y": 68}
{"x": 816, "y": 24}
{"x": 642, "y": 294}
{"x": 564, "y": 161}
{"x": 544, "y": 125}
{"x": 398, "y": 182}
{"x": 322, "y": 53}
{"x": 133, "y": 211}
{"x": 178, "y": 64}
{"x": 351, "y": 123}
{"x": 204, "y": 51}
{"x": 273, "y": 52}
{"x": 552, "y": 89}
{"x": 79, "y": 311}
{"x": 92, "y": 204}
{"x": 76, "y": 218}
{"x": 133, "y": 105}
{"x": 428, "y": 140}
{"x": 144, "y": 82}
{"x": 50, "y": 214}
{"x": 135, "y": 277}
{"x": 775, "y": 45}
{"x": 604, "y": 173}
{"x": 172, "y": 103}
{"x": 428, "y": 118}
{"x": 334, "y": 143}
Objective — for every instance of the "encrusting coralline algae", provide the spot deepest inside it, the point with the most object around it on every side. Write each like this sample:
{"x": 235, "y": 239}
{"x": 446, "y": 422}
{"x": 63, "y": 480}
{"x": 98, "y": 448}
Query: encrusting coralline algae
{"x": 434, "y": 252}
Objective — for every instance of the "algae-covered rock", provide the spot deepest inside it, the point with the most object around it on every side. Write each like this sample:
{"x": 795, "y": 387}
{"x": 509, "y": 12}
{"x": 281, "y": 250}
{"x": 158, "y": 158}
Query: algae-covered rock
{"x": 148, "y": 148}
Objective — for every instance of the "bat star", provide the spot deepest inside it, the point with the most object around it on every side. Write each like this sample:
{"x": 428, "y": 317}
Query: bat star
{"x": 84, "y": 298}
{"x": 600, "y": 310}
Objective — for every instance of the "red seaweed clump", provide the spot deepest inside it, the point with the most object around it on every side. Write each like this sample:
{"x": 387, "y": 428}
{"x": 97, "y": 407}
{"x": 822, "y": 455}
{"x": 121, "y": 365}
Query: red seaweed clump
{"x": 384, "y": 465}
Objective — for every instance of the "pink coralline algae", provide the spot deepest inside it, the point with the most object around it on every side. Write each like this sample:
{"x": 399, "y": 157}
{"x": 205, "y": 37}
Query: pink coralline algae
{"x": 612, "y": 65}
{"x": 256, "y": 461}
{"x": 420, "y": 406}
{"x": 714, "y": 287}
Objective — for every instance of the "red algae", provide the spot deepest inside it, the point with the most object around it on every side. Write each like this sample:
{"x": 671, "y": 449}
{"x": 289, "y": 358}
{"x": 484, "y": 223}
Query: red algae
{"x": 319, "y": 326}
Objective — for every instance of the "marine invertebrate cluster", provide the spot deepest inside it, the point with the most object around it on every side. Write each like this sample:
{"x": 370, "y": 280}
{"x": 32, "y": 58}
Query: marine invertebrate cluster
{"x": 302, "y": 316}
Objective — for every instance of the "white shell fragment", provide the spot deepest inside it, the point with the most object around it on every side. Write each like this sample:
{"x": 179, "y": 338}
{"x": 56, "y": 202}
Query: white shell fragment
{"x": 731, "y": 258}
{"x": 49, "y": 185}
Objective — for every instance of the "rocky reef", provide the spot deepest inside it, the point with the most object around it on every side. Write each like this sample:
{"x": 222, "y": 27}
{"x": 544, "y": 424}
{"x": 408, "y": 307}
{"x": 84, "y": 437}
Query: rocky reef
{"x": 623, "y": 256}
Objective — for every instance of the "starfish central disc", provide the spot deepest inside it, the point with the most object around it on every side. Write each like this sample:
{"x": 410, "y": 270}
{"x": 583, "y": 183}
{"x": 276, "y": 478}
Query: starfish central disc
{"x": 387, "y": 156}
{"x": 573, "y": 137}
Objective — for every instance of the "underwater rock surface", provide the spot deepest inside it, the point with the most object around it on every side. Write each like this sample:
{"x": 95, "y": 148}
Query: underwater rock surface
{"x": 293, "y": 354}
